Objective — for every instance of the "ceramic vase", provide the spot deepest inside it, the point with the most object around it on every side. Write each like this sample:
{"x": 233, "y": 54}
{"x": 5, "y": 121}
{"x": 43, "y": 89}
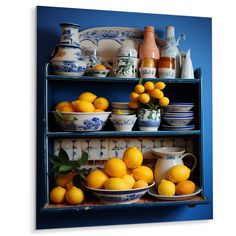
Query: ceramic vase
{"x": 69, "y": 34}
{"x": 92, "y": 57}
{"x": 171, "y": 49}
{"x": 148, "y": 119}
{"x": 187, "y": 68}
{"x": 68, "y": 60}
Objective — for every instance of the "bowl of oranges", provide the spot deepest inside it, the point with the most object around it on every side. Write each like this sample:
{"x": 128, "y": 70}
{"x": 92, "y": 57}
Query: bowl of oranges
{"x": 100, "y": 71}
{"x": 86, "y": 113}
{"x": 121, "y": 180}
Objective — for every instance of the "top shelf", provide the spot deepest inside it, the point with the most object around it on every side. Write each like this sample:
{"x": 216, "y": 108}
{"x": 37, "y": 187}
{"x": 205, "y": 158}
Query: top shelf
{"x": 115, "y": 79}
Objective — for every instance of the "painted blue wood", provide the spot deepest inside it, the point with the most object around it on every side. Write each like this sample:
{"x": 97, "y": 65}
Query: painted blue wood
{"x": 54, "y": 88}
{"x": 122, "y": 134}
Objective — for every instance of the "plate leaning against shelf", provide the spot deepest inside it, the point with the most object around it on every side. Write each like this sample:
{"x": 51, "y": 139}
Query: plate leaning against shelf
{"x": 153, "y": 192}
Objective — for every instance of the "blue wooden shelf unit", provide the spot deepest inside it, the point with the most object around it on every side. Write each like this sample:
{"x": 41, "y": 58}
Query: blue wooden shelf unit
{"x": 52, "y": 89}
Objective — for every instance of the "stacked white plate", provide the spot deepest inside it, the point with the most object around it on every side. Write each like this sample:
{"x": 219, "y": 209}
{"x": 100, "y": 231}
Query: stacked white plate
{"x": 178, "y": 117}
{"x": 121, "y": 108}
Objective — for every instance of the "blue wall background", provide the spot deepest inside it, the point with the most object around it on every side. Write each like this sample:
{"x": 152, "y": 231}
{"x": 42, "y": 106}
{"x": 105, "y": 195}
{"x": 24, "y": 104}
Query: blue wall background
{"x": 198, "y": 39}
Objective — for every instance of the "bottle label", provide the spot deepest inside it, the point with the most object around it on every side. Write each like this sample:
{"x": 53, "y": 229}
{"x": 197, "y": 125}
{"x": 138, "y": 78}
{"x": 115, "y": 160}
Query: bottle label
{"x": 166, "y": 73}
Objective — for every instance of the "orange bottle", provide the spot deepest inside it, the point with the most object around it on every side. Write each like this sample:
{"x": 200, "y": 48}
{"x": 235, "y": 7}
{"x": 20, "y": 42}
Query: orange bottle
{"x": 149, "y": 48}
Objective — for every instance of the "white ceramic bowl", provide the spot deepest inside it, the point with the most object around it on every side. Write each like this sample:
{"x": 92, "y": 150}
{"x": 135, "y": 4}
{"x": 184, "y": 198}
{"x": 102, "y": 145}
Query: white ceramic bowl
{"x": 179, "y": 114}
{"x": 176, "y": 121}
{"x": 120, "y": 105}
{"x": 147, "y": 72}
{"x": 123, "y": 122}
{"x": 178, "y": 128}
{"x": 179, "y": 107}
{"x": 119, "y": 196}
{"x": 82, "y": 121}
{"x": 99, "y": 72}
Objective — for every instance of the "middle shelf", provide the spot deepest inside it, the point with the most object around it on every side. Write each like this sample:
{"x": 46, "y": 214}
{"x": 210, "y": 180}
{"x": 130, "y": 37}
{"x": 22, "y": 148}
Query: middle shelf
{"x": 123, "y": 134}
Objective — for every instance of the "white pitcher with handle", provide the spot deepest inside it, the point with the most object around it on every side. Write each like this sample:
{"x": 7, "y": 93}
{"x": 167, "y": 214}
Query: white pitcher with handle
{"x": 168, "y": 157}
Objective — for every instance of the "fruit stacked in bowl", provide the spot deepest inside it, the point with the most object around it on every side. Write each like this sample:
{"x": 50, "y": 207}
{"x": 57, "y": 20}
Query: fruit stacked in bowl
{"x": 178, "y": 116}
{"x": 121, "y": 181}
{"x": 122, "y": 118}
{"x": 100, "y": 71}
{"x": 86, "y": 113}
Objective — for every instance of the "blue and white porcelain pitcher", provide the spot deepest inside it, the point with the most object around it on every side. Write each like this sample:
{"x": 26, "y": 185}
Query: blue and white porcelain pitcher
{"x": 69, "y": 34}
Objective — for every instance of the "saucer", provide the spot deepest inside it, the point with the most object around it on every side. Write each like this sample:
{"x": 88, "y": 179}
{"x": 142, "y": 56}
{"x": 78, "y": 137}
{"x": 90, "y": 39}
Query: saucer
{"x": 178, "y": 128}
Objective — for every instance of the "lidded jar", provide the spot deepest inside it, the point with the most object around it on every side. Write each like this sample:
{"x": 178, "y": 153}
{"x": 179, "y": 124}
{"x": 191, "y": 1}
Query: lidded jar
{"x": 149, "y": 48}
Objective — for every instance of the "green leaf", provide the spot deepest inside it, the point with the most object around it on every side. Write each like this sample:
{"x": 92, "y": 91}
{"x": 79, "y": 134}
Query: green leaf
{"x": 84, "y": 158}
{"x": 58, "y": 116}
{"x": 55, "y": 168}
{"x": 55, "y": 159}
{"x": 77, "y": 180}
{"x": 63, "y": 155}
{"x": 64, "y": 168}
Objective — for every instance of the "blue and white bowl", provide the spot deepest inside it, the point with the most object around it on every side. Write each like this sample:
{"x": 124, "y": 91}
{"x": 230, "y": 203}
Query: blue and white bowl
{"x": 179, "y": 114}
{"x": 82, "y": 121}
{"x": 99, "y": 72}
{"x": 178, "y": 121}
{"x": 179, "y": 107}
{"x": 119, "y": 196}
{"x": 123, "y": 123}
{"x": 178, "y": 128}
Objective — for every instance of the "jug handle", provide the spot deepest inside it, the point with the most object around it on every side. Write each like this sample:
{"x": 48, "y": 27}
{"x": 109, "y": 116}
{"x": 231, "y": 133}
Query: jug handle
{"x": 194, "y": 157}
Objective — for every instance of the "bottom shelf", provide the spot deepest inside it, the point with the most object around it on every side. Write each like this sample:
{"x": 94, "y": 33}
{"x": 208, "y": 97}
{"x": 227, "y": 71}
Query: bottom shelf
{"x": 146, "y": 201}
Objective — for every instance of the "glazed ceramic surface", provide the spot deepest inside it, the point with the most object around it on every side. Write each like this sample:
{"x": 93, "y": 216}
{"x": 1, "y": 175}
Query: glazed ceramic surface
{"x": 119, "y": 196}
{"x": 69, "y": 34}
{"x": 168, "y": 157}
{"x": 68, "y": 61}
{"x": 149, "y": 120}
{"x": 147, "y": 72}
{"x": 177, "y": 121}
{"x": 187, "y": 68}
{"x": 123, "y": 122}
{"x": 82, "y": 121}
{"x": 179, "y": 107}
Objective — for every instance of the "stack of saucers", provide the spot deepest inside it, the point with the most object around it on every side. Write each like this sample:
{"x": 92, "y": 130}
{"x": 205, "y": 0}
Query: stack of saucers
{"x": 178, "y": 116}
{"x": 121, "y": 108}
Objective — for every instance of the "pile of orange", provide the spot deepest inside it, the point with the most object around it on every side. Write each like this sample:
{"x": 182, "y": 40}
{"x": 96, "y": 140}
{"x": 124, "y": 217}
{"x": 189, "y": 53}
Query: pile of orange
{"x": 85, "y": 102}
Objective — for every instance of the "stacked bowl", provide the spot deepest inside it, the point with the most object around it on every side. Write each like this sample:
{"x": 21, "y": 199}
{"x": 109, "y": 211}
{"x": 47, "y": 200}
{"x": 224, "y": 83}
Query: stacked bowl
{"x": 122, "y": 118}
{"x": 178, "y": 116}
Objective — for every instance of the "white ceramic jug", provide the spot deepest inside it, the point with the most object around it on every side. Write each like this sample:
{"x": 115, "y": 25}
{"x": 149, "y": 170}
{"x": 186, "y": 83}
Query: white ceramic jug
{"x": 168, "y": 157}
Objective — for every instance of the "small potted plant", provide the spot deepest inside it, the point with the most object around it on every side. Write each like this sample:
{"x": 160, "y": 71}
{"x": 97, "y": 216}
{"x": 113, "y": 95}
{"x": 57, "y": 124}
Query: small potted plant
{"x": 148, "y": 98}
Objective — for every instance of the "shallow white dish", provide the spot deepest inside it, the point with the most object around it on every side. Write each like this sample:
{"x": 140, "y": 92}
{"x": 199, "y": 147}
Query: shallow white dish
{"x": 178, "y": 128}
{"x": 177, "y": 121}
{"x": 153, "y": 192}
{"x": 179, "y": 114}
{"x": 119, "y": 196}
{"x": 99, "y": 73}
{"x": 179, "y": 107}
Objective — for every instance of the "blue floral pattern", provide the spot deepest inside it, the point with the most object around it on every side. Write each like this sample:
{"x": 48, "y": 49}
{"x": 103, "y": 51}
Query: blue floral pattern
{"x": 93, "y": 124}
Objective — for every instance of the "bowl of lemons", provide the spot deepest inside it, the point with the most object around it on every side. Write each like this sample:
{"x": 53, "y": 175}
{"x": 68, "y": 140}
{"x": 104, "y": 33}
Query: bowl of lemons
{"x": 121, "y": 181}
{"x": 100, "y": 71}
{"x": 86, "y": 113}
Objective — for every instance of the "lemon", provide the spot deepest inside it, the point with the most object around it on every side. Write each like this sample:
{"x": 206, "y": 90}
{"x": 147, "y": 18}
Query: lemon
{"x": 144, "y": 173}
{"x": 116, "y": 184}
{"x": 164, "y": 101}
{"x": 99, "y": 67}
{"x": 129, "y": 180}
{"x": 62, "y": 104}
{"x": 101, "y": 103}
{"x": 96, "y": 179}
{"x": 139, "y": 88}
{"x": 83, "y": 106}
{"x": 133, "y": 105}
{"x": 133, "y": 157}
{"x": 98, "y": 110}
{"x": 63, "y": 180}
{"x": 87, "y": 96}
{"x": 57, "y": 194}
{"x": 185, "y": 187}
{"x": 149, "y": 85}
{"x": 140, "y": 184}
{"x": 69, "y": 185}
{"x": 160, "y": 85}
{"x": 144, "y": 98}
{"x": 134, "y": 96}
{"x": 166, "y": 188}
{"x": 115, "y": 167}
{"x": 157, "y": 93}
{"x": 74, "y": 196}
{"x": 178, "y": 173}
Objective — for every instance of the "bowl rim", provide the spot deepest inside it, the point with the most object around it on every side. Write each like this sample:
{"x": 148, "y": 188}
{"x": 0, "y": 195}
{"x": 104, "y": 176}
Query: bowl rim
{"x": 178, "y": 117}
{"x": 181, "y": 104}
{"x": 83, "y": 113}
{"x": 125, "y": 191}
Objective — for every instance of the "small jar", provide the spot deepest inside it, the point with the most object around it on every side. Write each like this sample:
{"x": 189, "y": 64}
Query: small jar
{"x": 147, "y": 62}
{"x": 147, "y": 68}
{"x": 166, "y": 68}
